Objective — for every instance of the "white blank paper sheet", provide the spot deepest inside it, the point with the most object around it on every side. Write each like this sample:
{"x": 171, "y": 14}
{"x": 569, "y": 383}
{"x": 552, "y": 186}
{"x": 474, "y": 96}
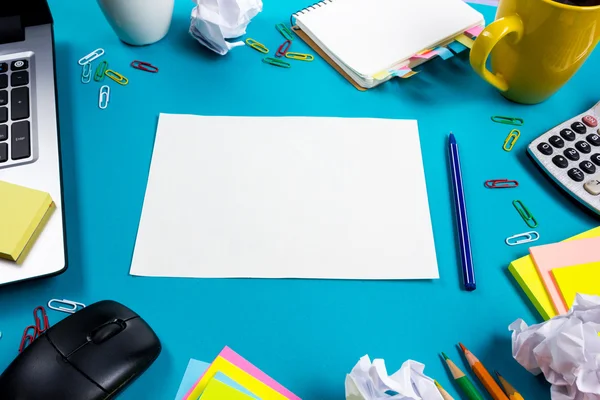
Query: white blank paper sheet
{"x": 291, "y": 197}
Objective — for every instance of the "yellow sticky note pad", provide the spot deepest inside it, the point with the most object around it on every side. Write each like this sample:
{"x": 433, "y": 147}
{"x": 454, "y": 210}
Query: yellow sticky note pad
{"x": 256, "y": 387}
{"x": 464, "y": 40}
{"x": 526, "y": 275}
{"x": 583, "y": 279}
{"x": 217, "y": 390}
{"x": 381, "y": 75}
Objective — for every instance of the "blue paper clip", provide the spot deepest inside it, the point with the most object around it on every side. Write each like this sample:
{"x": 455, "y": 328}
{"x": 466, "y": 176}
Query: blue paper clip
{"x": 86, "y": 73}
{"x": 521, "y": 238}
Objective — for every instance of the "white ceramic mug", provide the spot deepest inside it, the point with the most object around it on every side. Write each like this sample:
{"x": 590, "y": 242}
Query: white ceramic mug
{"x": 139, "y": 22}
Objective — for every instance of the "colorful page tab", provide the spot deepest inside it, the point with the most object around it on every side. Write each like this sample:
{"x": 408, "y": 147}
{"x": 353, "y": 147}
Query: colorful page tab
{"x": 444, "y": 53}
{"x": 457, "y": 47}
{"x": 465, "y": 40}
{"x": 563, "y": 254}
{"x": 217, "y": 390}
{"x": 474, "y": 32}
{"x": 583, "y": 279}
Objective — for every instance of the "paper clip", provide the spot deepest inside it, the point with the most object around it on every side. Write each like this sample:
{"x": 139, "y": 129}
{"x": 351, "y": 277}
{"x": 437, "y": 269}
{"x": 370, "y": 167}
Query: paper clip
{"x": 144, "y": 66}
{"x": 117, "y": 77}
{"x": 511, "y": 139}
{"x": 285, "y": 32}
{"x": 277, "y": 62}
{"x": 86, "y": 73}
{"x": 521, "y": 238}
{"x": 501, "y": 184}
{"x": 91, "y": 57}
{"x": 103, "y": 99}
{"x": 75, "y": 306}
{"x": 299, "y": 56}
{"x": 525, "y": 214}
{"x": 282, "y": 50}
{"x": 27, "y": 339}
{"x": 99, "y": 75}
{"x": 257, "y": 45}
{"x": 41, "y": 319}
{"x": 508, "y": 120}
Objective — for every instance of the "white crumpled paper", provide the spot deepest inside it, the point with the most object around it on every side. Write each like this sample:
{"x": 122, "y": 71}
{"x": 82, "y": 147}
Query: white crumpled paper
{"x": 566, "y": 349}
{"x": 214, "y": 21}
{"x": 370, "y": 381}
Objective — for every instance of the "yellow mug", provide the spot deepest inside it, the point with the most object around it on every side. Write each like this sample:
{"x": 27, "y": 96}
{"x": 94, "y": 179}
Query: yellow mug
{"x": 536, "y": 46}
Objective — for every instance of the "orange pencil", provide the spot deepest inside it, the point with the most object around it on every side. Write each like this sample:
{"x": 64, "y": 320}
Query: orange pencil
{"x": 484, "y": 376}
{"x": 508, "y": 389}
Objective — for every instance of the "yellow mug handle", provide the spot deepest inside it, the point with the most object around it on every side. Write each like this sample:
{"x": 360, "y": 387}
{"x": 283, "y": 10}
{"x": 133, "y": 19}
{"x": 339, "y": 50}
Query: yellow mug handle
{"x": 484, "y": 44}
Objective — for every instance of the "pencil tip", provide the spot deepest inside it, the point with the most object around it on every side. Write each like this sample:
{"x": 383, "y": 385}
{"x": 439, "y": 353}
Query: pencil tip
{"x": 498, "y": 374}
{"x": 462, "y": 347}
{"x": 436, "y": 383}
{"x": 444, "y": 355}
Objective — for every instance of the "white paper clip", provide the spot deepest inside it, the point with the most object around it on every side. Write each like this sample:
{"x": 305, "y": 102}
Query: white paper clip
{"x": 104, "y": 97}
{"x": 521, "y": 238}
{"x": 91, "y": 57}
{"x": 86, "y": 73}
{"x": 75, "y": 306}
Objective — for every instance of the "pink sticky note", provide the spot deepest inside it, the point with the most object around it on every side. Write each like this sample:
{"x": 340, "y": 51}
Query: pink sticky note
{"x": 240, "y": 362}
{"x": 559, "y": 255}
{"x": 427, "y": 55}
{"x": 475, "y": 31}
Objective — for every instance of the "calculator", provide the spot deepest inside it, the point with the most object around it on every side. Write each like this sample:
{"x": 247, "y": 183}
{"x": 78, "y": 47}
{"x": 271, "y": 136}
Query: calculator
{"x": 570, "y": 154}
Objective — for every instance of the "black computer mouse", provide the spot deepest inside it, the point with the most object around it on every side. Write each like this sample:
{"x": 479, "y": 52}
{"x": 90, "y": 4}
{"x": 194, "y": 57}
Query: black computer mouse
{"x": 90, "y": 355}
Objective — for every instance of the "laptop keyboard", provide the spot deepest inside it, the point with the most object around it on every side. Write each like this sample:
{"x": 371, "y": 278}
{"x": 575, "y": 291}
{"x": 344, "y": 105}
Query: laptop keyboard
{"x": 15, "y": 113}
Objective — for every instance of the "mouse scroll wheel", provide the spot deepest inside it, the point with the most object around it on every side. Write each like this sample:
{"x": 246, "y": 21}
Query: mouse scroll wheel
{"x": 106, "y": 331}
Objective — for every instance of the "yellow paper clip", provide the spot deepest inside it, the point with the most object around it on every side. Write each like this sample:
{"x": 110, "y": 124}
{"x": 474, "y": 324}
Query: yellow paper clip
{"x": 117, "y": 77}
{"x": 257, "y": 45}
{"x": 511, "y": 139}
{"x": 299, "y": 56}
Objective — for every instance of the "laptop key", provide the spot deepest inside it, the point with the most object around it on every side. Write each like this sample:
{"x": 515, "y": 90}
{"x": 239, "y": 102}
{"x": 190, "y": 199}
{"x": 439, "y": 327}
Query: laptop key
{"x": 19, "y": 65}
{"x": 20, "y": 140}
{"x": 3, "y": 97}
{"x": 3, "y": 68}
{"x": 19, "y": 99}
{"x": 3, "y": 132}
{"x": 3, "y": 152}
{"x": 3, "y": 81}
{"x": 20, "y": 78}
{"x": 3, "y": 114}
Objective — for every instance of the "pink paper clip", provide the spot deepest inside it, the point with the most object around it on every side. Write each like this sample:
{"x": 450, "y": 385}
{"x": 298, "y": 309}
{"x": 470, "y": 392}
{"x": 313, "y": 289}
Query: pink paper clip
{"x": 501, "y": 184}
{"x": 284, "y": 48}
{"x": 41, "y": 320}
{"x": 144, "y": 66}
{"x": 28, "y": 338}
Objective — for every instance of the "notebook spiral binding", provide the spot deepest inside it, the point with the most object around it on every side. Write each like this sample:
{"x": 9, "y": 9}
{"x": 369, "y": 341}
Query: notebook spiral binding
{"x": 309, "y": 9}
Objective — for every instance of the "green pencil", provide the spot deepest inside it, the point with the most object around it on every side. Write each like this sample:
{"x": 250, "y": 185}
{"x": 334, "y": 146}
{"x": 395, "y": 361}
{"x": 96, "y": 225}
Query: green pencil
{"x": 461, "y": 380}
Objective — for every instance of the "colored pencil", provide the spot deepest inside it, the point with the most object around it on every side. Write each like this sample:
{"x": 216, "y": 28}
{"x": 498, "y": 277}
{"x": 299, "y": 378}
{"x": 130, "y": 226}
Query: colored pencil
{"x": 445, "y": 395}
{"x": 508, "y": 389}
{"x": 462, "y": 381}
{"x": 483, "y": 375}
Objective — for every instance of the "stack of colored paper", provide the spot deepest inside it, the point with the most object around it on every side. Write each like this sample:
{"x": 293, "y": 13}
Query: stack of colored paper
{"x": 230, "y": 377}
{"x": 552, "y": 274}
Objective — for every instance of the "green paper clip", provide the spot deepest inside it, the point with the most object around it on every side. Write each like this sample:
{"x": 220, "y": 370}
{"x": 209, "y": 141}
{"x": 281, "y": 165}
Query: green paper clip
{"x": 511, "y": 139}
{"x": 99, "y": 75}
{"x": 508, "y": 120}
{"x": 257, "y": 45}
{"x": 525, "y": 214}
{"x": 285, "y": 32}
{"x": 299, "y": 56}
{"x": 277, "y": 62}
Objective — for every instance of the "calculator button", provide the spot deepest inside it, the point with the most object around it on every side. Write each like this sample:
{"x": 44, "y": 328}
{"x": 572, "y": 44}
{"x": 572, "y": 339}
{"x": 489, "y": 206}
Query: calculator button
{"x": 592, "y": 187}
{"x": 556, "y": 142}
{"x": 593, "y": 139}
{"x": 587, "y": 167}
{"x": 583, "y": 147}
{"x": 576, "y": 174}
{"x": 596, "y": 159}
{"x": 590, "y": 121}
{"x": 560, "y": 161}
{"x": 578, "y": 127}
{"x": 567, "y": 134}
{"x": 544, "y": 148}
{"x": 19, "y": 65}
{"x": 571, "y": 154}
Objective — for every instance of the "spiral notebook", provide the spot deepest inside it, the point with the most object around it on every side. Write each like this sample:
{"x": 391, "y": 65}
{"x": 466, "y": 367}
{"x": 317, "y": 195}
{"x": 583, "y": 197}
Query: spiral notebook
{"x": 368, "y": 39}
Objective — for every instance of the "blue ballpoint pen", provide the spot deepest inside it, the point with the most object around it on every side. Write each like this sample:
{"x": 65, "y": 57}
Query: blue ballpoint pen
{"x": 466, "y": 257}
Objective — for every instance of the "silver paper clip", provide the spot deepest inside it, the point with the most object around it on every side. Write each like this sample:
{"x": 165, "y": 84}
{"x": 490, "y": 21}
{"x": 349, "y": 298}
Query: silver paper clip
{"x": 75, "y": 306}
{"x": 104, "y": 97}
{"x": 86, "y": 73}
{"x": 521, "y": 238}
{"x": 91, "y": 57}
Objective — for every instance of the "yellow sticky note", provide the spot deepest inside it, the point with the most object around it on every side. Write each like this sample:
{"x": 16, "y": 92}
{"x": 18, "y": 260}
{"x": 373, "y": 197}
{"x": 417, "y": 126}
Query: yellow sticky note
{"x": 464, "y": 40}
{"x": 526, "y": 275}
{"x": 583, "y": 279}
{"x": 258, "y": 388}
{"x": 381, "y": 75}
{"x": 217, "y": 390}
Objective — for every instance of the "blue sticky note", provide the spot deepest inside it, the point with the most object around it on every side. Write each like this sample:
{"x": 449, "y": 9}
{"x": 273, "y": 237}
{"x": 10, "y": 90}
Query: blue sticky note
{"x": 444, "y": 53}
{"x": 194, "y": 371}
{"x": 457, "y": 47}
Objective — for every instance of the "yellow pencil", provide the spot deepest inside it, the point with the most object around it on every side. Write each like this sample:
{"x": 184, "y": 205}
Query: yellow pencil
{"x": 508, "y": 389}
{"x": 443, "y": 392}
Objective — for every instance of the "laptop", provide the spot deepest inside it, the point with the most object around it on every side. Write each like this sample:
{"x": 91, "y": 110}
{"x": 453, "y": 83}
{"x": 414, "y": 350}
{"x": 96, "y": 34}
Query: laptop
{"x": 29, "y": 137}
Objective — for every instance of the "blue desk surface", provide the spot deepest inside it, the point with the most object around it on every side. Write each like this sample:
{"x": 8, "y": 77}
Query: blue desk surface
{"x": 306, "y": 333}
